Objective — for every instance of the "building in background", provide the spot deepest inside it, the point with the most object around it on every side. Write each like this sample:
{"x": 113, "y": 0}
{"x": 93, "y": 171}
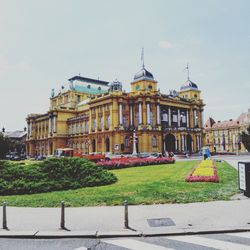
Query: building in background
{"x": 93, "y": 116}
{"x": 17, "y": 140}
{"x": 225, "y": 136}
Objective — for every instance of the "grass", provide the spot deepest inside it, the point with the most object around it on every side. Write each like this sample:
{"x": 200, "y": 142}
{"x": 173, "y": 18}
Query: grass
{"x": 141, "y": 185}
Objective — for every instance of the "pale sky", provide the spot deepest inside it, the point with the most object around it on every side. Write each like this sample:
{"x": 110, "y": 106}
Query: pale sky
{"x": 44, "y": 43}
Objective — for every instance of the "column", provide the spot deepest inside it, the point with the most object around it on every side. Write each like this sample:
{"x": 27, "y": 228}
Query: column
{"x": 187, "y": 119}
{"x": 158, "y": 114}
{"x": 182, "y": 143}
{"x": 31, "y": 128}
{"x": 140, "y": 113}
{"x": 131, "y": 115}
{"x": 54, "y": 124}
{"x": 28, "y": 132}
{"x": 148, "y": 113}
{"x": 120, "y": 114}
{"x": 179, "y": 118}
{"x": 202, "y": 118}
{"x": 169, "y": 117}
{"x": 195, "y": 118}
{"x": 49, "y": 125}
{"x": 104, "y": 121}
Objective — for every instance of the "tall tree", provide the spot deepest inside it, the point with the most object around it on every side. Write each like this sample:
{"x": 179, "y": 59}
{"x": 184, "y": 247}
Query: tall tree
{"x": 4, "y": 146}
{"x": 246, "y": 139}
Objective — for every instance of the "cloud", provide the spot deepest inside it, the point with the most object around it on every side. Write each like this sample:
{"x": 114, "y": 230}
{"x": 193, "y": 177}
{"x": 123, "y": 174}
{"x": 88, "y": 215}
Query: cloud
{"x": 165, "y": 44}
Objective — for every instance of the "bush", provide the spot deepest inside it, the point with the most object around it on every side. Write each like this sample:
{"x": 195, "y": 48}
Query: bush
{"x": 51, "y": 175}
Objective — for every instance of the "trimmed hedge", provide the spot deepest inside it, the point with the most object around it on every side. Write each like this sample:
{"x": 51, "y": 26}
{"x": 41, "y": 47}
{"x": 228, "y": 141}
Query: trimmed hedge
{"x": 51, "y": 175}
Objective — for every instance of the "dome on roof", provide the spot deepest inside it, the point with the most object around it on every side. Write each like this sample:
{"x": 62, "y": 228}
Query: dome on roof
{"x": 189, "y": 85}
{"x": 115, "y": 86}
{"x": 143, "y": 73}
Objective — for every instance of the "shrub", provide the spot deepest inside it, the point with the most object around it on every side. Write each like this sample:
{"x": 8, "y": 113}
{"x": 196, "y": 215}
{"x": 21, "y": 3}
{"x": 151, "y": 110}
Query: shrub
{"x": 51, "y": 175}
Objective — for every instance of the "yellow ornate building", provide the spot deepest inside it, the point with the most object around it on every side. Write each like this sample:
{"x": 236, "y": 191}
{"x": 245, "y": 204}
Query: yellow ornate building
{"x": 93, "y": 116}
{"x": 225, "y": 136}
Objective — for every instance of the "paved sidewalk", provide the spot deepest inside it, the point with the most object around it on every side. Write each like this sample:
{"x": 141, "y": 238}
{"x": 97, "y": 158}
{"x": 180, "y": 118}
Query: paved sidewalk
{"x": 109, "y": 221}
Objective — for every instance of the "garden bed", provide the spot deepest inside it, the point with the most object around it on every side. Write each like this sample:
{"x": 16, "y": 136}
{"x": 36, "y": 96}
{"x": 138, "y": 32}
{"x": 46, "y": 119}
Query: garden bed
{"x": 118, "y": 163}
{"x": 204, "y": 172}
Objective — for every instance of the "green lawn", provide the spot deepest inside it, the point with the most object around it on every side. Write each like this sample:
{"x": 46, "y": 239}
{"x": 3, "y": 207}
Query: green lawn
{"x": 140, "y": 185}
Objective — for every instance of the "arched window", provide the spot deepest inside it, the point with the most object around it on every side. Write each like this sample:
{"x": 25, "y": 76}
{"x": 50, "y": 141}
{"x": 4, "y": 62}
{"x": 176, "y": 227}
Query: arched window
{"x": 99, "y": 88}
{"x": 137, "y": 87}
{"x": 88, "y": 86}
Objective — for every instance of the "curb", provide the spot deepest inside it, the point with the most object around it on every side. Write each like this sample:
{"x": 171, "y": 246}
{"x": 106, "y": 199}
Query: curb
{"x": 105, "y": 234}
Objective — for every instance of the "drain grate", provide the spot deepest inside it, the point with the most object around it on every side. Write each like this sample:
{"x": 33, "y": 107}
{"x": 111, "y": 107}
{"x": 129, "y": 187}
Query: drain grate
{"x": 161, "y": 222}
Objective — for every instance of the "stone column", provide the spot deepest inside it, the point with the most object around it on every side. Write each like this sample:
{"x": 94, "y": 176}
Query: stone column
{"x": 158, "y": 121}
{"x": 54, "y": 124}
{"x": 148, "y": 113}
{"x": 169, "y": 117}
{"x": 120, "y": 114}
{"x": 195, "y": 118}
{"x": 182, "y": 143}
{"x": 179, "y": 118}
{"x": 187, "y": 119}
{"x": 202, "y": 118}
{"x": 140, "y": 113}
{"x": 49, "y": 131}
{"x": 131, "y": 115}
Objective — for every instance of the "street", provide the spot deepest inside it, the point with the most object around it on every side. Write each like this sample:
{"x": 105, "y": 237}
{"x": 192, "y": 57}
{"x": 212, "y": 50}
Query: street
{"x": 234, "y": 241}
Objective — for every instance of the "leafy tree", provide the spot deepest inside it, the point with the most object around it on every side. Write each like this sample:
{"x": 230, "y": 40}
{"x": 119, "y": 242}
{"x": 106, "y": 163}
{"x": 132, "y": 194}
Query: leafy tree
{"x": 246, "y": 139}
{"x": 4, "y": 146}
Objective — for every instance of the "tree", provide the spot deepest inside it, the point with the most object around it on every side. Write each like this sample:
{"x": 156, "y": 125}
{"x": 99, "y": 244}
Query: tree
{"x": 246, "y": 139}
{"x": 4, "y": 146}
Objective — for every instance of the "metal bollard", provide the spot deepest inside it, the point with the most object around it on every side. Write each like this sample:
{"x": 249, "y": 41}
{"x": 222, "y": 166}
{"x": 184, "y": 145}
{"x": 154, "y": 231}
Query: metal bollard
{"x": 62, "y": 226}
{"x": 5, "y": 216}
{"x": 126, "y": 214}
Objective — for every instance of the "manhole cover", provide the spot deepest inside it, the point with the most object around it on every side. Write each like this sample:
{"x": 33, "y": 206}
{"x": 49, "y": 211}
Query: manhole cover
{"x": 160, "y": 222}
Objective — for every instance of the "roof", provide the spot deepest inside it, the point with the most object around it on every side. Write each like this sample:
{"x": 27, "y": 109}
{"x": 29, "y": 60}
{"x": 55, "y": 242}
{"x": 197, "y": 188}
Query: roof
{"x": 87, "y": 90}
{"x": 209, "y": 123}
{"x": 16, "y": 134}
{"x": 90, "y": 80}
{"x": 143, "y": 74}
{"x": 189, "y": 85}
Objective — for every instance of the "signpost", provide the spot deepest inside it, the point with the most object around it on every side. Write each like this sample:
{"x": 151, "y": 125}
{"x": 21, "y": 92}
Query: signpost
{"x": 244, "y": 177}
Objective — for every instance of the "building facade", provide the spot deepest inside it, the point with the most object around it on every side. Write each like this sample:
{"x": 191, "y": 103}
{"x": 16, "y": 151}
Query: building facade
{"x": 225, "y": 136}
{"x": 93, "y": 116}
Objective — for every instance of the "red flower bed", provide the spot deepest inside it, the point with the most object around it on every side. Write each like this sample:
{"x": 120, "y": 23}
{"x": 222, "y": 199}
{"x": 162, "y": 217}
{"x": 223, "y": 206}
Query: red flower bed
{"x": 132, "y": 162}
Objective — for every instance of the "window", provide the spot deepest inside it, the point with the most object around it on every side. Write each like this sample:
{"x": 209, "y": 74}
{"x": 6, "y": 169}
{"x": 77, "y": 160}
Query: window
{"x": 154, "y": 141}
{"x": 137, "y": 87}
{"x": 151, "y": 118}
{"x": 126, "y": 142}
{"x": 99, "y": 88}
{"x": 87, "y": 126}
{"x": 78, "y": 98}
{"x": 150, "y": 87}
{"x": 88, "y": 86}
{"x": 108, "y": 122}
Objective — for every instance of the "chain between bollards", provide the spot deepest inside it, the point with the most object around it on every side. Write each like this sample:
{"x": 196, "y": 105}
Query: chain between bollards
{"x": 126, "y": 214}
{"x": 62, "y": 226}
{"x": 5, "y": 216}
